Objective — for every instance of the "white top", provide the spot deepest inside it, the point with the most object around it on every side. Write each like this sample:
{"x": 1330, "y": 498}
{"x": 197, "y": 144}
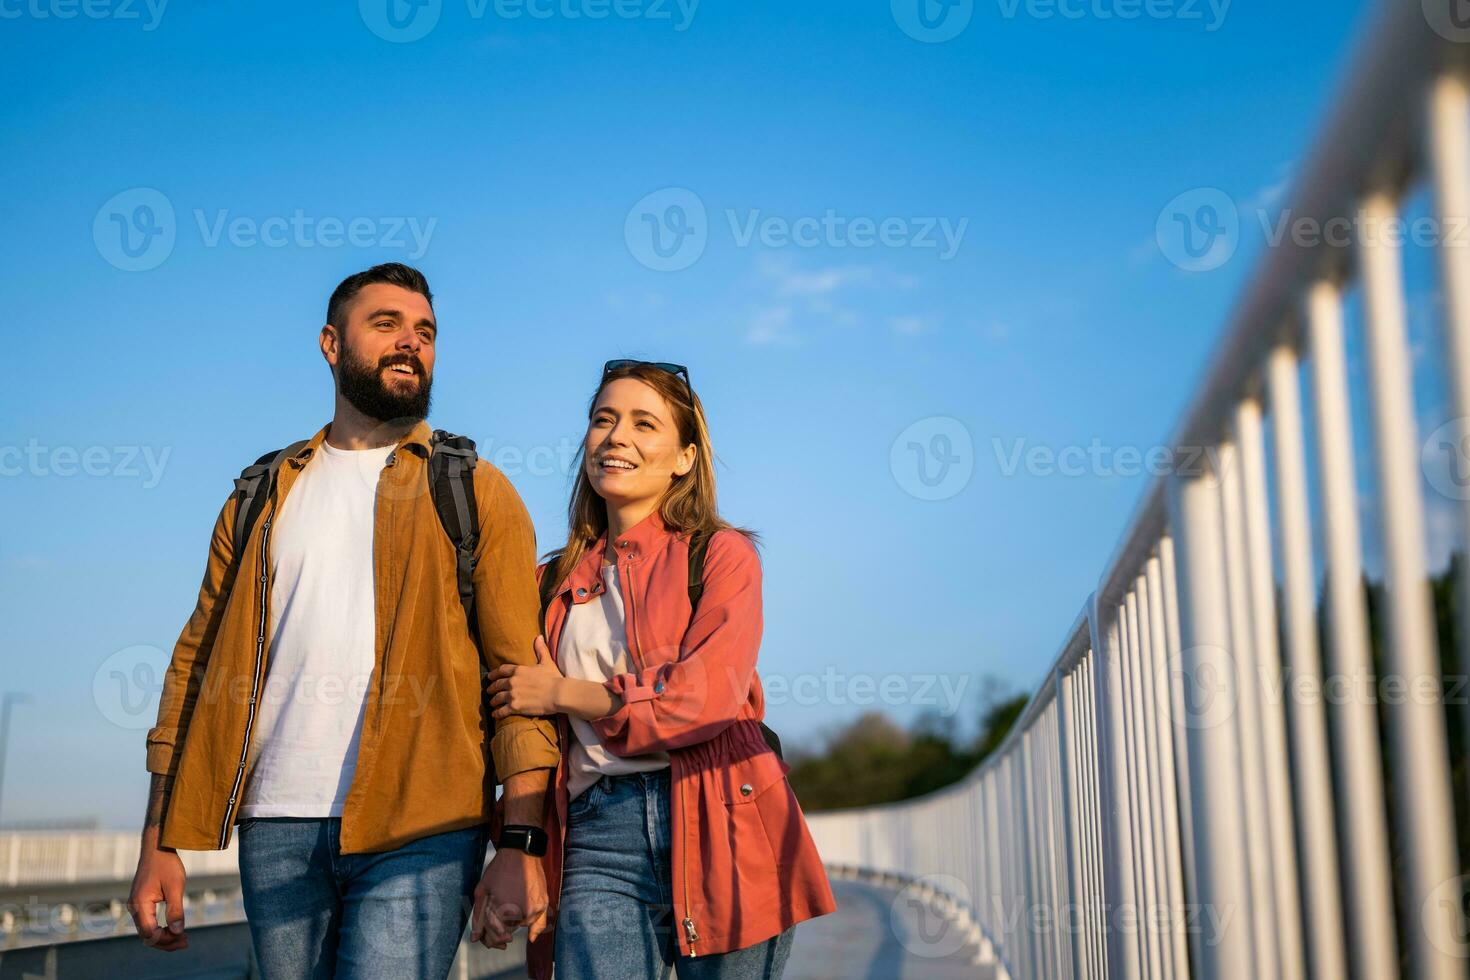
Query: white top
{"x": 322, "y": 648}
{"x": 594, "y": 647}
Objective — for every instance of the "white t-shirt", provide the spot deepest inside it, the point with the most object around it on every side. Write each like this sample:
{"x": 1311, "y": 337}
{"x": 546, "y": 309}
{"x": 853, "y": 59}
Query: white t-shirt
{"x": 323, "y": 645}
{"x": 594, "y": 647}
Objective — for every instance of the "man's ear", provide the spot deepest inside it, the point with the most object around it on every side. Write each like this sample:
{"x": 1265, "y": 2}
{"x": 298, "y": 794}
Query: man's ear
{"x": 331, "y": 345}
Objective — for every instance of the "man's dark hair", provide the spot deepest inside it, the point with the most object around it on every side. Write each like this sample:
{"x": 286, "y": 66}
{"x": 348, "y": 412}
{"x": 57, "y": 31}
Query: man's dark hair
{"x": 392, "y": 273}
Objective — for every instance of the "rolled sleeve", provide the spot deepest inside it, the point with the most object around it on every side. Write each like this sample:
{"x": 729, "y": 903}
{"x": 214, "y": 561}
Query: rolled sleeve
{"x": 521, "y": 744}
{"x": 162, "y": 753}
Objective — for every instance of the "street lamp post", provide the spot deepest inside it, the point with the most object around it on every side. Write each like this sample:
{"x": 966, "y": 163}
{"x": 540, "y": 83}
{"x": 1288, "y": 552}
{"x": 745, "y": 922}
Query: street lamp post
{"x": 8, "y": 699}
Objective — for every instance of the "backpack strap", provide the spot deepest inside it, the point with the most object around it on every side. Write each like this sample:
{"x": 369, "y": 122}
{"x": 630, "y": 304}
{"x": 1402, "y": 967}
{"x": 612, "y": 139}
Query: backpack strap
{"x": 452, "y": 462}
{"x": 252, "y": 487}
{"x": 547, "y": 588}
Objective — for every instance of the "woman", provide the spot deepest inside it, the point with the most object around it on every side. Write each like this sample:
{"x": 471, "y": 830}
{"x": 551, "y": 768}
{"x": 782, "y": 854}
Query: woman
{"x": 674, "y": 834}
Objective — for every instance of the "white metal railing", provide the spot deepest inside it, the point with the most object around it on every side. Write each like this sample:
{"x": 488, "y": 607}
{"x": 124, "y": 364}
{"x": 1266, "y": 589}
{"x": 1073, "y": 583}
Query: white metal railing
{"x": 64, "y": 857}
{"x": 1169, "y": 797}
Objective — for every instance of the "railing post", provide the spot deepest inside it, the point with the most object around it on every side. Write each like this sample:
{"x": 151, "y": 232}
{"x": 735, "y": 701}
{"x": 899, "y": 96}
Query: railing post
{"x": 1449, "y": 153}
{"x": 1220, "y": 888}
{"x": 1316, "y": 830}
{"x": 1367, "y": 884}
{"x": 1122, "y": 945}
{"x": 1422, "y": 803}
{"x": 1266, "y": 677}
{"x": 1140, "y": 762}
{"x": 1178, "y": 949}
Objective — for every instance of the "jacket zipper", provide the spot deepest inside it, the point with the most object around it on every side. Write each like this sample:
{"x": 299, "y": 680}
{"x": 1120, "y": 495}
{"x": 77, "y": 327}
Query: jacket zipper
{"x": 691, "y": 934}
{"x": 264, "y": 597}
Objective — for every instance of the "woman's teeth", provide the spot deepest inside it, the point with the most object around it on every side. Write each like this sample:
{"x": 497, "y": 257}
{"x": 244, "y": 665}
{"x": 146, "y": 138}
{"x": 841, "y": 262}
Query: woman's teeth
{"x": 617, "y": 464}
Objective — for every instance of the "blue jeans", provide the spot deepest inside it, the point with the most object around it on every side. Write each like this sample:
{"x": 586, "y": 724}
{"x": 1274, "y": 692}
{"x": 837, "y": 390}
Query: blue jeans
{"x": 616, "y": 920}
{"x": 315, "y": 912}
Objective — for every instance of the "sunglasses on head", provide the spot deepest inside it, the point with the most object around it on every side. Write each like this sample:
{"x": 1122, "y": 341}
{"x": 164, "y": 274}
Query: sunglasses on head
{"x": 678, "y": 370}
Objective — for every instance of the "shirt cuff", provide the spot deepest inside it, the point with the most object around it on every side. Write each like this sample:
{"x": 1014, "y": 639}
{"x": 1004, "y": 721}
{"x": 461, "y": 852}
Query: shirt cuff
{"x": 162, "y": 757}
{"x": 521, "y": 744}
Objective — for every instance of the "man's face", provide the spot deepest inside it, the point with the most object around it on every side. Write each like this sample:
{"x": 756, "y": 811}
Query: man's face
{"x": 383, "y": 357}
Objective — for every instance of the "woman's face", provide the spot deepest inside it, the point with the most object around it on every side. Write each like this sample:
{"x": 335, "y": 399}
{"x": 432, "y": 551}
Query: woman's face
{"x": 632, "y": 449}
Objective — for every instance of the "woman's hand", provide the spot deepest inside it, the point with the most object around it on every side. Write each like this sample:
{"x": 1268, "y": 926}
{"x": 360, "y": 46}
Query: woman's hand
{"x": 527, "y": 689}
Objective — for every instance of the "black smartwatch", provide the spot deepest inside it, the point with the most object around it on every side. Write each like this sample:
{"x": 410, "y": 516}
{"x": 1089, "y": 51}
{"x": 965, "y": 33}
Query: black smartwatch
{"x": 522, "y": 837}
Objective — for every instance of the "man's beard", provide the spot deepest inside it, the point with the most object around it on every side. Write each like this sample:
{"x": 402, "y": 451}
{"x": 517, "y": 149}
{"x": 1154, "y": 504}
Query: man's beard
{"x": 364, "y": 388}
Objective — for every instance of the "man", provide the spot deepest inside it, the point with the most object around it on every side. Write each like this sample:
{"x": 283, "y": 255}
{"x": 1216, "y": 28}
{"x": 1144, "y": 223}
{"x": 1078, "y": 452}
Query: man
{"x": 326, "y": 693}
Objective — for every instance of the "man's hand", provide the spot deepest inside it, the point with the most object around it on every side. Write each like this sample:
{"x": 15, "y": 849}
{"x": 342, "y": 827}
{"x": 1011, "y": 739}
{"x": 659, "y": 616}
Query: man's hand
{"x": 526, "y": 689}
{"x": 160, "y": 878}
{"x": 511, "y": 893}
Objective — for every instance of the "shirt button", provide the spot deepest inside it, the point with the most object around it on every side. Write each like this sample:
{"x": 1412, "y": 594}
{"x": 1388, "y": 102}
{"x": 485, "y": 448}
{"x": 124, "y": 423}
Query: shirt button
{"x": 581, "y": 592}
{"x": 658, "y": 687}
{"x": 746, "y": 789}
{"x": 622, "y": 544}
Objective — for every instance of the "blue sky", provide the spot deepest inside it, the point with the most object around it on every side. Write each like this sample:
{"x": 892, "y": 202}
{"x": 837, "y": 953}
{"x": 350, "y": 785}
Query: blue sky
{"x": 279, "y": 147}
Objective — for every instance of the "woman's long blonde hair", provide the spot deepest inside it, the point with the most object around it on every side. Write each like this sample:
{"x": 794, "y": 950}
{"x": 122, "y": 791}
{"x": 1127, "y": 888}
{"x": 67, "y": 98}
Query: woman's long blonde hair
{"x": 689, "y": 503}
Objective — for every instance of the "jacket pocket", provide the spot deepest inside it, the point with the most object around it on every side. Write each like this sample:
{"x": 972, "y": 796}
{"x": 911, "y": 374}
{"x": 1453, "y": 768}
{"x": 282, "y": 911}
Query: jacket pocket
{"x": 743, "y": 780}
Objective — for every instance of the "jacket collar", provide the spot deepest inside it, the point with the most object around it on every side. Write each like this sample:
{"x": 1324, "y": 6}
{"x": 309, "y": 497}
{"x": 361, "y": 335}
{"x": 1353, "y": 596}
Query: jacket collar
{"x": 641, "y": 539}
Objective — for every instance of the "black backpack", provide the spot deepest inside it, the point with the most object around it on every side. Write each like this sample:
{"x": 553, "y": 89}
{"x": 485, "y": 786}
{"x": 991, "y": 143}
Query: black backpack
{"x": 452, "y": 461}
{"x": 698, "y": 546}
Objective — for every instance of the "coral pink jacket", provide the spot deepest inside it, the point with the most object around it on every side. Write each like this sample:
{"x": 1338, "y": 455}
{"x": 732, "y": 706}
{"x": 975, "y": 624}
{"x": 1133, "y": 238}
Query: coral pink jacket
{"x": 744, "y": 865}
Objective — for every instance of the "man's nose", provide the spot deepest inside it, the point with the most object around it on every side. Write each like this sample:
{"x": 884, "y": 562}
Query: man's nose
{"x": 408, "y": 340}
